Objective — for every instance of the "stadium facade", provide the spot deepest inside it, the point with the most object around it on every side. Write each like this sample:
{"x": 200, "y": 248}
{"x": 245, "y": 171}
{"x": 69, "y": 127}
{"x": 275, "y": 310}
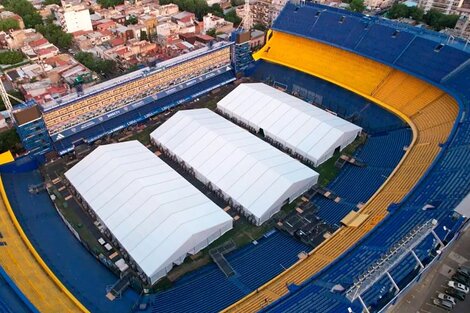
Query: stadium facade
{"x": 421, "y": 76}
{"x": 86, "y": 115}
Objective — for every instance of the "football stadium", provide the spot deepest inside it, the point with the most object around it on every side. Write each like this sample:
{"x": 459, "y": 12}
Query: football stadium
{"x": 332, "y": 175}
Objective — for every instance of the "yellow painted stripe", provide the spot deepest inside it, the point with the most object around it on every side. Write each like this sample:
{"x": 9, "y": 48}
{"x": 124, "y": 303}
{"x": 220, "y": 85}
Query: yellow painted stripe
{"x": 4, "y": 160}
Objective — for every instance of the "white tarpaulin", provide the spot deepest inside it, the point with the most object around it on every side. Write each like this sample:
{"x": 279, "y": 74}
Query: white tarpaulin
{"x": 244, "y": 168}
{"x": 157, "y": 216}
{"x": 300, "y": 126}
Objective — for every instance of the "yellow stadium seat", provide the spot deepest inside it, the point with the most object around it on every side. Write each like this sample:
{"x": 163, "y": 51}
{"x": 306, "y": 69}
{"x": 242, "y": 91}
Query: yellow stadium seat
{"x": 429, "y": 111}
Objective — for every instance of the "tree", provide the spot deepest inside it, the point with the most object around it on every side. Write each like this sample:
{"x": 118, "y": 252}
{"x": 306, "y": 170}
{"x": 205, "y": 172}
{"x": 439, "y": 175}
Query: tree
{"x": 216, "y": 9}
{"x": 109, "y": 3}
{"x": 198, "y": 7}
{"x": 211, "y": 32}
{"x": 26, "y": 10}
{"x": 96, "y": 64}
{"x": 15, "y": 93}
{"x": 416, "y": 14}
{"x": 9, "y": 140}
{"x": 10, "y": 57}
{"x": 232, "y": 16}
{"x": 131, "y": 20}
{"x": 55, "y": 35}
{"x": 357, "y": 6}
{"x": 47, "y": 2}
{"x": 439, "y": 21}
{"x": 9, "y": 23}
{"x": 260, "y": 27}
{"x": 143, "y": 35}
{"x": 398, "y": 10}
{"x": 236, "y": 3}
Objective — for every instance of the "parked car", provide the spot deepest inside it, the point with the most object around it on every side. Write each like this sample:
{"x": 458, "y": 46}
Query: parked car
{"x": 464, "y": 271}
{"x": 458, "y": 286}
{"x": 446, "y": 305}
{"x": 456, "y": 294}
{"x": 443, "y": 296}
{"x": 460, "y": 278}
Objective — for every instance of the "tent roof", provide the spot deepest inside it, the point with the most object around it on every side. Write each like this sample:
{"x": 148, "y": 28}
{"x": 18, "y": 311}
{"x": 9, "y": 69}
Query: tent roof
{"x": 249, "y": 170}
{"x": 147, "y": 206}
{"x": 289, "y": 120}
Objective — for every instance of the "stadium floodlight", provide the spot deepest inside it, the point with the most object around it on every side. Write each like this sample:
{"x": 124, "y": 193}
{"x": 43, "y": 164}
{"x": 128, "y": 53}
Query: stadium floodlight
{"x": 389, "y": 260}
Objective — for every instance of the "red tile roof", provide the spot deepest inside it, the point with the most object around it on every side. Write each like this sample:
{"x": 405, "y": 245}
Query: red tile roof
{"x": 116, "y": 42}
{"x": 37, "y": 43}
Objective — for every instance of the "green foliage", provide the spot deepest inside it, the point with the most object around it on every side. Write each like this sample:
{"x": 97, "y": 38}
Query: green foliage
{"x": 143, "y": 35}
{"x": 55, "y": 35}
{"x": 10, "y": 57}
{"x": 216, "y": 9}
{"x": 433, "y": 18}
{"x": 131, "y": 20}
{"x": 9, "y": 23}
{"x": 109, "y": 3}
{"x": 416, "y": 14}
{"x": 198, "y": 7}
{"x": 260, "y": 27}
{"x": 47, "y": 2}
{"x": 211, "y": 32}
{"x": 232, "y": 16}
{"x": 235, "y": 3}
{"x": 26, "y": 10}
{"x": 438, "y": 20}
{"x": 15, "y": 93}
{"x": 95, "y": 64}
{"x": 9, "y": 140}
{"x": 398, "y": 10}
{"x": 357, "y": 6}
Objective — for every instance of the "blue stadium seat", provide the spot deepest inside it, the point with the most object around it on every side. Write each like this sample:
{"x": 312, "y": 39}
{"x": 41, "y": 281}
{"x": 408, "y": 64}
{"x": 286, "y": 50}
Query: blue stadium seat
{"x": 208, "y": 290}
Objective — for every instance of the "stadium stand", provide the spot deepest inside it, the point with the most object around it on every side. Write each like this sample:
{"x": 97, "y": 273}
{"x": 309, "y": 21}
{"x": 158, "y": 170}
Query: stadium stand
{"x": 31, "y": 277}
{"x": 254, "y": 264}
{"x": 134, "y": 116}
{"x": 380, "y": 84}
{"x": 12, "y": 300}
{"x": 326, "y": 95}
{"x": 432, "y": 174}
{"x": 422, "y": 52}
{"x": 61, "y": 251}
{"x": 381, "y": 153}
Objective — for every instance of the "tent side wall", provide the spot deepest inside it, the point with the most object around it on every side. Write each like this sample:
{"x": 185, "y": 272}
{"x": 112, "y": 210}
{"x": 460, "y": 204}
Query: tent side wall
{"x": 235, "y": 106}
{"x": 294, "y": 191}
{"x": 195, "y": 244}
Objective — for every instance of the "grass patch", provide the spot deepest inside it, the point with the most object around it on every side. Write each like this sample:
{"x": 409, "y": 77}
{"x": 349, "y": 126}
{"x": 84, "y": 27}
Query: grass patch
{"x": 242, "y": 233}
{"x": 328, "y": 171}
{"x": 77, "y": 223}
{"x": 144, "y": 135}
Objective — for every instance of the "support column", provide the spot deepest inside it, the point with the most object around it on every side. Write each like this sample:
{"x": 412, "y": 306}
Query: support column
{"x": 437, "y": 238}
{"x": 364, "y": 306}
{"x": 417, "y": 259}
{"x": 393, "y": 281}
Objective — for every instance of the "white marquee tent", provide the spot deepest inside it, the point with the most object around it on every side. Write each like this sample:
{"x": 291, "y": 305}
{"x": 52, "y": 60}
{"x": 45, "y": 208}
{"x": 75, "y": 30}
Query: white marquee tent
{"x": 307, "y": 130}
{"x": 243, "y": 168}
{"x": 156, "y": 215}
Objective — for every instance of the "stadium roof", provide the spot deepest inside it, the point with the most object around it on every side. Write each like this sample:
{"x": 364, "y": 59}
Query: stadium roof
{"x": 305, "y": 129}
{"x": 244, "y": 168}
{"x": 155, "y": 214}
